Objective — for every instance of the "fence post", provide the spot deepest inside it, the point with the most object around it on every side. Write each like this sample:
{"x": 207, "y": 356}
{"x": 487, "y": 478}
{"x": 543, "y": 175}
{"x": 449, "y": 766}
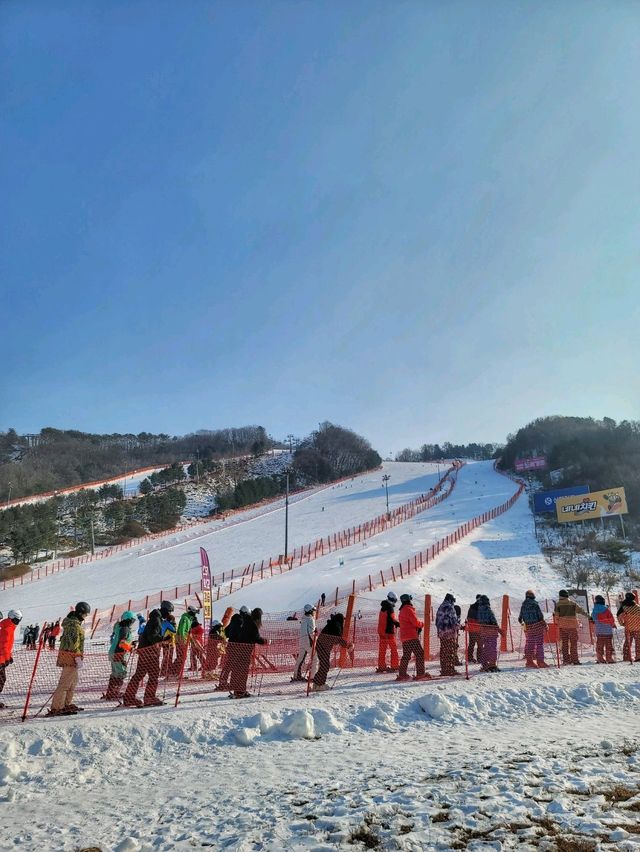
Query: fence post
{"x": 346, "y": 628}
{"x": 504, "y": 624}
{"x": 427, "y": 626}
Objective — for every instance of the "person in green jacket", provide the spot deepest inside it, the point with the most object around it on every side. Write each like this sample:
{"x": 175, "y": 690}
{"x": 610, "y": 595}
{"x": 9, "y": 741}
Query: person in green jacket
{"x": 122, "y": 643}
{"x": 187, "y": 621}
{"x": 69, "y": 660}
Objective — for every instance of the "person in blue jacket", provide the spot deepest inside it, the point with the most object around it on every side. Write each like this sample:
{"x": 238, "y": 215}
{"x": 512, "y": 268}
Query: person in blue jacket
{"x": 122, "y": 643}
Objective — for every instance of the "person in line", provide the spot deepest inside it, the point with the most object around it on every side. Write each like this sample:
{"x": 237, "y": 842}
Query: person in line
{"x": 447, "y": 625}
{"x": 56, "y": 630}
{"x": 141, "y": 623}
{"x": 410, "y": 627}
{"x": 168, "y": 631}
{"x": 534, "y": 625}
{"x": 35, "y": 633}
{"x": 122, "y": 644}
{"x": 605, "y": 624}
{"x": 387, "y": 626}
{"x": 489, "y": 632}
{"x": 243, "y": 650}
{"x": 234, "y": 632}
{"x": 322, "y": 599}
{"x": 7, "y": 637}
{"x": 473, "y": 629}
{"x": 459, "y": 616}
{"x": 216, "y": 643}
{"x": 328, "y": 638}
{"x": 196, "y": 647}
{"x": 307, "y": 632}
{"x": 26, "y": 638}
{"x": 628, "y": 601}
{"x": 565, "y": 615}
{"x": 630, "y": 620}
{"x": 150, "y": 644}
{"x": 46, "y": 630}
{"x": 70, "y": 656}
{"x": 187, "y": 620}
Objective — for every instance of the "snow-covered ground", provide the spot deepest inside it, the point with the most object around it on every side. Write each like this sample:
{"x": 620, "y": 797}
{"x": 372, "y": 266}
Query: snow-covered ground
{"x": 512, "y": 761}
{"x": 250, "y": 536}
{"x": 520, "y": 760}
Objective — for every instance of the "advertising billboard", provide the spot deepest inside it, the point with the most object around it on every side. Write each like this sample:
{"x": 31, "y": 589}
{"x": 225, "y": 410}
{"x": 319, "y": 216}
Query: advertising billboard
{"x": 534, "y": 463}
{"x": 595, "y": 504}
{"x": 545, "y": 501}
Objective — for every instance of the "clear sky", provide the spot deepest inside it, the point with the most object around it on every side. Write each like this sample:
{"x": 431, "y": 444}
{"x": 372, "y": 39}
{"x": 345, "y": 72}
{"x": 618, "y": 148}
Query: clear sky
{"x": 417, "y": 219}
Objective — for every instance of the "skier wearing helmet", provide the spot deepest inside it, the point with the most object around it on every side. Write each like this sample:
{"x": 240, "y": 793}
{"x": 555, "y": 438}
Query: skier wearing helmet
{"x": 69, "y": 660}
{"x": 7, "y": 635}
{"x": 122, "y": 643}
{"x": 307, "y": 632}
{"x": 387, "y": 626}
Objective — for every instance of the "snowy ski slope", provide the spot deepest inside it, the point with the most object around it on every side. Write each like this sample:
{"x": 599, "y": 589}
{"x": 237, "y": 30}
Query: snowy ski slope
{"x": 151, "y": 567}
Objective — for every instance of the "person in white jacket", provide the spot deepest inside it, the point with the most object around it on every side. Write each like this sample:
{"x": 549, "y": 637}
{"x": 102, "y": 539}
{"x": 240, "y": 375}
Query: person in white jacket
{"x": 307, "y": 632}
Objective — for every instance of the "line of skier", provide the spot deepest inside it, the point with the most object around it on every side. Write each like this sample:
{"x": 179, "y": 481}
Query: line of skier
{"x": 162, "y": 644}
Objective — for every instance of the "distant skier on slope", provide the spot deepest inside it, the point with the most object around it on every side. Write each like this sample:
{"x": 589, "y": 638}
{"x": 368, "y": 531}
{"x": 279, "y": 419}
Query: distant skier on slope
{"x": 7, "y": 636}
{"x": 307, "y": 632}
{"x": 387, "y": 626}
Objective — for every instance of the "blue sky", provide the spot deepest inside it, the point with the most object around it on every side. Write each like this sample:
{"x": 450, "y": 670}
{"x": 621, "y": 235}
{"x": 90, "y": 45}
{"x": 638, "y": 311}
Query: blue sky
{"x": 416, "y": 219}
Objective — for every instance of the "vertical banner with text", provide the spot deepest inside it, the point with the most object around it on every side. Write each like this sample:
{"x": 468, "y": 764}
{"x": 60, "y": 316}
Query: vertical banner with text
{"x": 205, "y": 585}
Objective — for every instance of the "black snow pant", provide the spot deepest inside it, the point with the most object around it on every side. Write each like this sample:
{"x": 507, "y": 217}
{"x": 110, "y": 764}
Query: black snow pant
{"x": 148, "y": 665}
{"x": 412, "y": 646}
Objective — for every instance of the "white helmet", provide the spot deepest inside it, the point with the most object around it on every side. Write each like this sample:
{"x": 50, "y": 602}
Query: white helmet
{"x": 244, "y": 610}
{"x": 14, "y": 615}
{"x": 308, "y": 609}
{"x": 392, "y": 597}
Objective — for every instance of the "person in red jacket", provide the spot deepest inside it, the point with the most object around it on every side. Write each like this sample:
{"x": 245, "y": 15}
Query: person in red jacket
{"x": 410, "y": 627}
{"x": 387, "y": 625}
{"x": 7, "y": 635}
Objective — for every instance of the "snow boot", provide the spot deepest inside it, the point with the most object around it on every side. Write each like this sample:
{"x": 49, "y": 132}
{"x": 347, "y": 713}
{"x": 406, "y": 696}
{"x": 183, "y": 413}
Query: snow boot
{"x": 320, "y": 687}
{"x": 403, "y": 678}
{"x": 221, "y": 687}
{"x": 154, "y": 702}
{"x": 298, "y": 679}
{"x": 132, "y": 702}
{"x": 543, "y": 665}
{"x": 530, "y": 665}
{"x": 382, "y": 671}
{"x": 52, "y": 712}
{"x": 425, "y": 676}
{"x": 240, "y": 695}
{"x": 74, "y": 708}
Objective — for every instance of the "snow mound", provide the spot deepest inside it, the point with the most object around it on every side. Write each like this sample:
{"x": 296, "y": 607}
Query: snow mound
{"x": 436, "y": 706}
{"x": 299, "y": 725}
{"x": 295, "y": 725}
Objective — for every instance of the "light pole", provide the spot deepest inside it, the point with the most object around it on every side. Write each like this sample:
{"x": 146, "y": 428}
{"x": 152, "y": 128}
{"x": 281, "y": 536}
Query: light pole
{"x": 385, "y": 480}
{"x": 286, "y": 515}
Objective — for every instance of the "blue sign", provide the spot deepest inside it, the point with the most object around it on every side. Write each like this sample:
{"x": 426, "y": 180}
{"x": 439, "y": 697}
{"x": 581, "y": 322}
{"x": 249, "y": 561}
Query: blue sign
{"x": 545, "y": 501}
